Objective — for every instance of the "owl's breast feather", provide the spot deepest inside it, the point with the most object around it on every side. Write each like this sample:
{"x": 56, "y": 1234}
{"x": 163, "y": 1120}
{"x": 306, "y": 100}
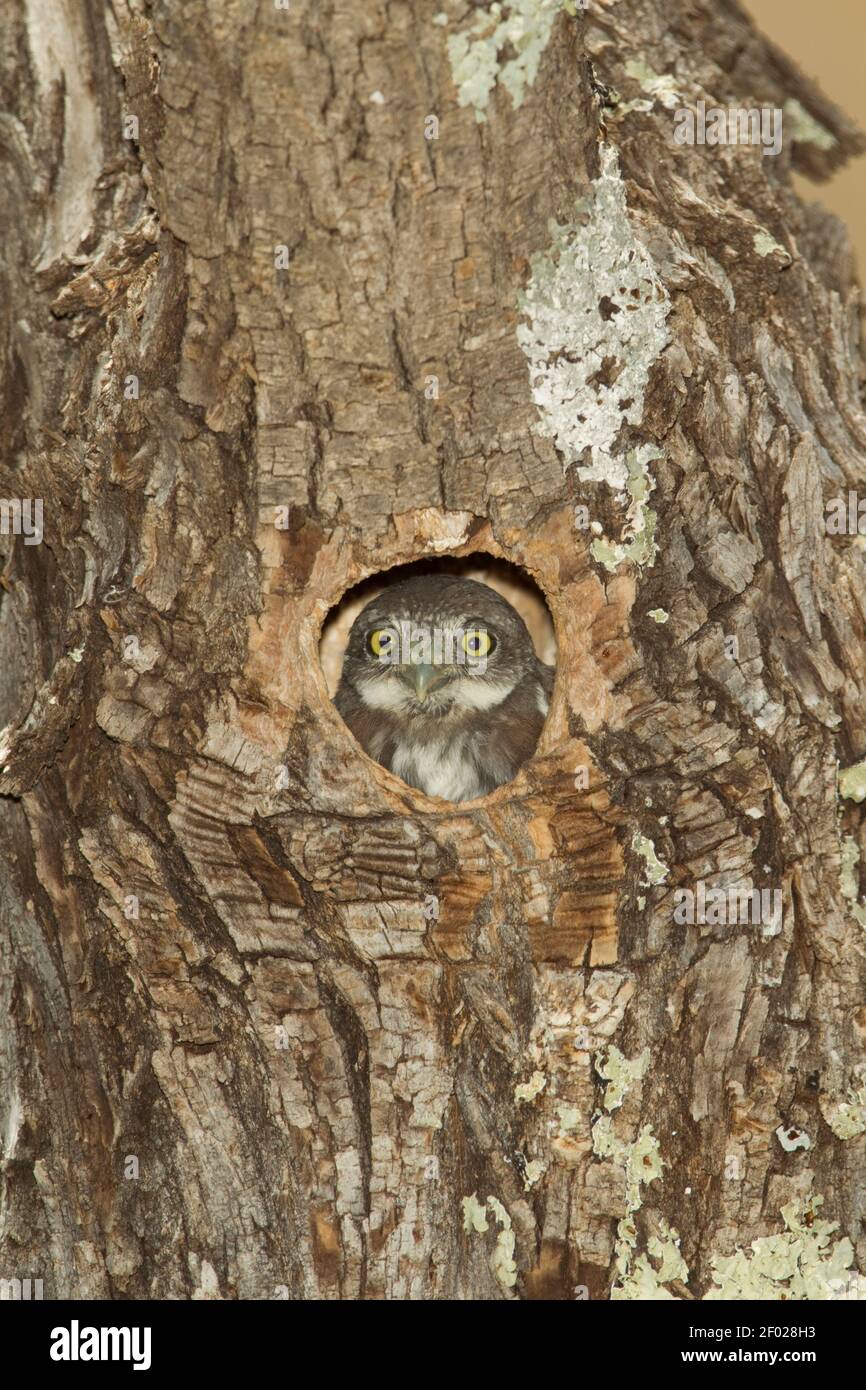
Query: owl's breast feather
{"x": 454, "y": 759}
{"x": 437, "y": 768}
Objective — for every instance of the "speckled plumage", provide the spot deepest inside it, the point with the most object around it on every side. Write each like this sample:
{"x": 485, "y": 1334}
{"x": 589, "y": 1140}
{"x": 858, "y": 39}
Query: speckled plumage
{"x": 472, "y": 729}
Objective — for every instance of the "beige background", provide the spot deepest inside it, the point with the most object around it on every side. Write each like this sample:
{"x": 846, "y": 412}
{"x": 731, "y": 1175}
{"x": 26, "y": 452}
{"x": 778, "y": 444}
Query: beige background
{"x": 827, "y": 38}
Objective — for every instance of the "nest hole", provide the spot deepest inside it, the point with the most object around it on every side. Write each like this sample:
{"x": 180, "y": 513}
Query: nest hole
{"x": 457, "y": 725}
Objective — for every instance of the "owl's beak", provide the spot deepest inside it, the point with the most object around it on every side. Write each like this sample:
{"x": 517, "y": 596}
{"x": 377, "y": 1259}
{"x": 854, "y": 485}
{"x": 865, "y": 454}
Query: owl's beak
{"x": 426, "y": 678}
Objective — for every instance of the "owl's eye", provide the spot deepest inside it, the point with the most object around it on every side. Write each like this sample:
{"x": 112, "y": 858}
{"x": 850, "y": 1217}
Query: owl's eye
{"x": 382, "y": 642}
{"x": 478, "y": 642}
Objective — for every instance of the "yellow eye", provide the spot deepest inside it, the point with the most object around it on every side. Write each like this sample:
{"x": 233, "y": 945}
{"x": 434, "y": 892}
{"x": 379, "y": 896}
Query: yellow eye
{"x": 382, "y": 642}
{"x": 478, "y": 642}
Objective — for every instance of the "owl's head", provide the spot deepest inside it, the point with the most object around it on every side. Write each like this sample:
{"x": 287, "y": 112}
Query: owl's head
{"x": 436, "y": 646}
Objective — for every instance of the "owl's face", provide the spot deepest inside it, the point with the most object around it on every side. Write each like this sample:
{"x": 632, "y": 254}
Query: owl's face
{"x": 436, "y": 647}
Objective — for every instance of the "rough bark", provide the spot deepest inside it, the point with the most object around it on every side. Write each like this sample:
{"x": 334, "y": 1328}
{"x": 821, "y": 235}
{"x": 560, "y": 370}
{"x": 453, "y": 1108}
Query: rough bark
{"x": 219, "y": 954}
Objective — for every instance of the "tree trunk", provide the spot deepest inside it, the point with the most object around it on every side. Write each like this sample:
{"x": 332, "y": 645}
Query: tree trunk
{"x": 273, "y": 1023}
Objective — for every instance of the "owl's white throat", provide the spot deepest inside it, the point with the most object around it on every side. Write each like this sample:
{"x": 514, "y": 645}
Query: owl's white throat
{"x": 459, "y": 696}
{"x": 439, "y": 768}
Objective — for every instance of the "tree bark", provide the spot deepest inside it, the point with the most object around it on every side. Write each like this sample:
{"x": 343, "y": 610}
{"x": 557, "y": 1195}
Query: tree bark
{"x": 273, "y": 1023}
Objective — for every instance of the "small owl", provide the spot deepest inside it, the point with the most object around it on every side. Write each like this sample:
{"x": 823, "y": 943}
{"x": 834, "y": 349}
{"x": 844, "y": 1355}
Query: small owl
{"x": 442, "y": 686}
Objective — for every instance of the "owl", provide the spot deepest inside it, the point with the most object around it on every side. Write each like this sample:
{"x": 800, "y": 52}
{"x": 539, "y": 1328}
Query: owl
{"x": 441, "y": 685}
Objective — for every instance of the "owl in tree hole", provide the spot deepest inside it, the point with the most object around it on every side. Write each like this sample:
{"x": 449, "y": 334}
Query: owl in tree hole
{"x": 441, "y": 685}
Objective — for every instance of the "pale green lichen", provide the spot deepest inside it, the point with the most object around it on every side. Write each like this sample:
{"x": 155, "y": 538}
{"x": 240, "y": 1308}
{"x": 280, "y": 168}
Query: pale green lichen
{"x": 532, "y": 1172}
{"x": 640, "y": 1161}
{"x": 569, "y": 1118}
{"x": 524, "y": 28}
{"x": 640, "y": 1280}
{"x": 852, "y": 782}
{"x": 665, "y": 1247}
{"x": 851, "y": 1286}
{"x": 596, "y": 314}
{"x": 792, "y": 1138}
{"x": 502, "y": 1260}
{"x": 765, "y": 245}
{"x": 638, "y": 544}
{"x": 847, "y": 1118}
{"x": 474, "y": 1215}
{"x": 798, "y": 1264}
{"x": 644, "y": 1163}
{"x": 658, "y": 615}
{"x": 528, "y": 1090}
{"x": 804, "y": 129}
{"x": 620, "y": 1073}
{"x": 850, "y": 879}
{"x": 660, "y": 87}
{"x": 848, "y": 872}
{"x": 656, "y": 871}
{"x": 475, "y": 1222}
